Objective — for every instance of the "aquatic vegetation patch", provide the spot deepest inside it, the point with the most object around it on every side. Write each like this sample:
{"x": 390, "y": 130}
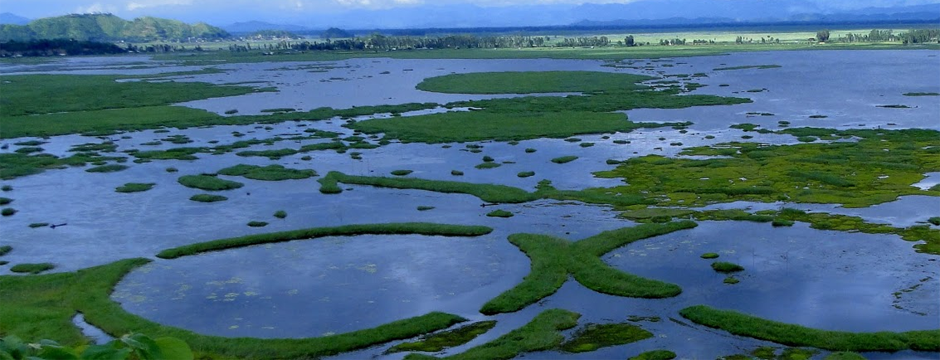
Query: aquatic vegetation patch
{"x": 55, "y": 298}
{"x": 267, "y": 173}
{"x": 500, "y": 213}
{"x": 107, "y": 168}
{"x": 29, "y": 150}
{"x": 564, "y": 159}
{"x": 134, "y": 187}
{"x": 760, "y": 67}
{"x": 531, "y": 82}
{"x": 32, "y": 268}
{"x": 8, "y": 212}
{"x": 182, "y": 153}
{"x": 486, "y": 192}
{"x": 5, "y": 249}
{"x": 596, "y": 336}
{"x": 428, "y": 229}
{"x": 5, "y": 200}
{"x": 525, "y": 174}
{"x": 280, "y": 214}
{"x": 934, "y": 220}
{"x": 208, "y": 183}
{"x": 445, "y": 339}
{"x": 542, "y": 333}
{"x": 879, "y": 167}
{"x": 554, "y": 259}
{"x": 207, "y": 198}
{"x": 795, "y": 335}
{"x": 844, "y": 355}
{"x": 709, "y": 255}
{"x": 921, "y": 94}
{"x": 655, "y": 355}
{"x": 257, "y": 224}
{"x": 499, "y": 126}
{"x": 38, "y": 225}
{"x": 425, "y": 208}
{"x": 726, "y": 267}
{"x": 894, "y": 106}
{"x": 401, "y": 172}
{"x": 487, "y": 165}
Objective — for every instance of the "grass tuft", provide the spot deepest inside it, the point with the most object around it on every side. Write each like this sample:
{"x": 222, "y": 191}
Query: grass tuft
{"x": 107, "y": 168}
{"x": 596, "y": 336}
{"x": 500, "y": 213}
{"x": 442, "y": 340}
{"x": 208, "y": 183}
{"x": 32, "y": 268}
{"x": 726, "y": 267}
{"x": 564, "y": 159}
{"x": 134, "y": 187}
{"x": 208, "y": 198}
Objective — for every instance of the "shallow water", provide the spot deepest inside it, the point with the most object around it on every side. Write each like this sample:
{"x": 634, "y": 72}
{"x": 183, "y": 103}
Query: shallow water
{"x": 796, "y": 274}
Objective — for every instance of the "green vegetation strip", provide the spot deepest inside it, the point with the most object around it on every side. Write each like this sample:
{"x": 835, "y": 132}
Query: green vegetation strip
{"x": 596, "y": 336}
{"x": 531, "y": 82}
{"x": 542, "y": 333}
{"x": 208, "y": 183}
{"x": 42, "y": 307}
{"x": 207, "y": 198}
{"x": 428, "y": 229}
{"x": 267, "y": 173}
{"x": 553, "y": 259}
{"x": 655, "y": 355}
{"x": 795, "y": 335}
{"x": 134, "y": 187}
{"x": 442, "y": 340}
{"x": 746, "y": 67}
{"x": 486, "y": 192}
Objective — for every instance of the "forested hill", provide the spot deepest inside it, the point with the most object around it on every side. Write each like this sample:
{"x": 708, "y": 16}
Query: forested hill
{"x": 107, "y": 27}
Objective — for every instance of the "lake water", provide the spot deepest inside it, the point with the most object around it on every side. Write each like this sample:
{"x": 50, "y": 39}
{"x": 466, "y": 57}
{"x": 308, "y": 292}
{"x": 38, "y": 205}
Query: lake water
{"x": 823, "y": 279}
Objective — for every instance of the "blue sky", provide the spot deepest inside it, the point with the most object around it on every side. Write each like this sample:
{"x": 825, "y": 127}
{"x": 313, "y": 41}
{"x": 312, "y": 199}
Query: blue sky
{"x": 292, "y": 11}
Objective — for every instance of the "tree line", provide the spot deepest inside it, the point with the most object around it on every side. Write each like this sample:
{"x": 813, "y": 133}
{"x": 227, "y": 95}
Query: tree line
{"x": 57, "y": 47}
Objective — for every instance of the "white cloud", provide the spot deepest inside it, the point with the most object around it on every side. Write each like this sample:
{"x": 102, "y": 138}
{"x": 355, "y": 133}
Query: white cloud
{"x": 96, "y": 8}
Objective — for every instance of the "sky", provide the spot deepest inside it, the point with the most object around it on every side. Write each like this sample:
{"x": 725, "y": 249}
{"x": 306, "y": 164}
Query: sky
{"x": 221, "y": 12}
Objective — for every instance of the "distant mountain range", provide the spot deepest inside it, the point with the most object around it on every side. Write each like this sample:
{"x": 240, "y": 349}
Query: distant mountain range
{"x": 107, "y": 27}
{"x": 402, "y": 20}
{"x": 12, "y": 19}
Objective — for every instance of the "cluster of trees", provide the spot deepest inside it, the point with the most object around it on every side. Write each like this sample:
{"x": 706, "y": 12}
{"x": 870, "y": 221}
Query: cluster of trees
{"x": 913, "y": 36}
{"x": 676, "y": 41}
{"x": 585, "y": 41}
{"x": 107, "y": 27}
{"x": 763, "y": 40}
{"x": 271, "y": 35}
{"x": 378, "y": 42}
{"x": 57, "y": 47}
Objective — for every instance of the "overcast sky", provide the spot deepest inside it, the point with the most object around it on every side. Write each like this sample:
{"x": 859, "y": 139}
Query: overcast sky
{"x": 271, "y": 10}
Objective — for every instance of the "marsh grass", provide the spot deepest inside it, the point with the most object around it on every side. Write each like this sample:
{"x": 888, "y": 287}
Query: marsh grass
{"x": 257, "y": 224}
{"x": 107, "y": 168}
{"x": 921, "y": 94}
{"x": 487, "y": 165}
{"x": 655, "y": 355}
{"x": 280, "y": 214}
{"x": 731, "y": 280}
{"x": 530, "y": 150}
{"x": 553, "y": 260}
{"x": 456, "y": 173}
{"x": 726, "y": 267}
{"x": 542, "y": 333}
{"x": 934, "y": 220}
{"x": 42, "y": 307}
{"x": 596, "y": 336}
{"x": 401, "y": 172}
{"x": 208, "y": 183}
{"x": 759, "y": 67}
{"x": 500, "y": 213}
{"x": 6, "y": 188}
{"x": 425, "y": 208}
{"x": 182, "y": 153}
{"x": 7, "y": 211}
{"x": 134, "y": 187}
{"x": 32, "y": 268}
{"x": 445, "y": 339}
{"x": 428, "y": 229}
{"x": 531, "y": 82}
{"x": 38, "y": 225}
{"x": 5, "y": 249}
{"x": 795, "y": 335}
{"x": 709, "y": 255}
{"x": 564, "y": 159}
{"x": 267, "y": 173}
{"x": 208, "y": 198}
{"x": 525, "y": 174}
{"x": 5, "y": 201}
{"x": 486, "y": 192}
